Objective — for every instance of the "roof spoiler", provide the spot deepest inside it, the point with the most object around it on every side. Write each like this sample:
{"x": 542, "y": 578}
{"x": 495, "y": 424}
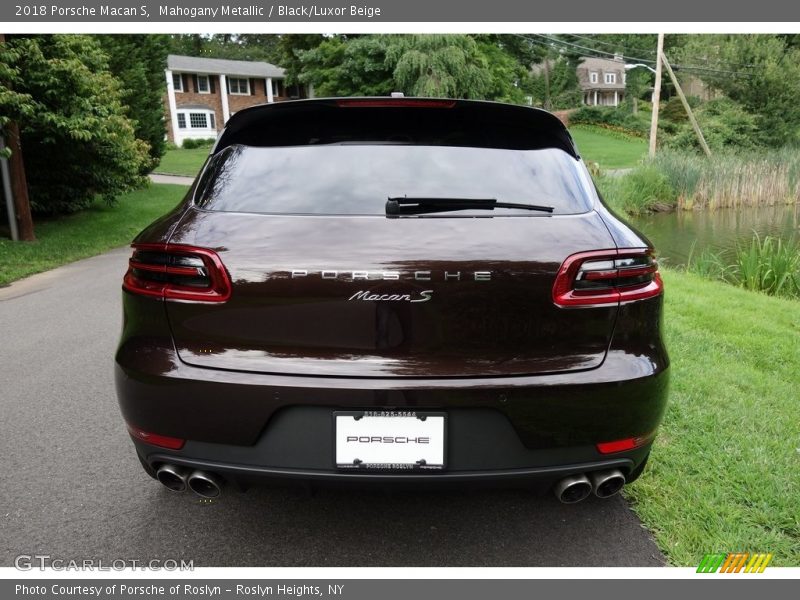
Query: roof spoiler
{"x": 419, "y": 121}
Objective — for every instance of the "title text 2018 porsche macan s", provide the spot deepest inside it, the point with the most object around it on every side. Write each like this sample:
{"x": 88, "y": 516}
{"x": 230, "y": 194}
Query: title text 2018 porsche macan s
{"x": 393, "y": 290}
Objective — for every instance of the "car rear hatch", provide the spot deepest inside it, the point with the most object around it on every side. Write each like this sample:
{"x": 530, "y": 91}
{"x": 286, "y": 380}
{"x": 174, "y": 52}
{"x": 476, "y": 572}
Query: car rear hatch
{"x": 323, "y": 282}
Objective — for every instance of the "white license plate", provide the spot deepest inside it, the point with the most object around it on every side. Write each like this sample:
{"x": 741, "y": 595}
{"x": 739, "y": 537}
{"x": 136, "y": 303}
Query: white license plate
{"x": 389, "y": 440}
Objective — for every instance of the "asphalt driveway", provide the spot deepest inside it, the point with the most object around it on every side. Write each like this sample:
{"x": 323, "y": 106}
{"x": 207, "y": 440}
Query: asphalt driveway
{"x": 71, "y": 486}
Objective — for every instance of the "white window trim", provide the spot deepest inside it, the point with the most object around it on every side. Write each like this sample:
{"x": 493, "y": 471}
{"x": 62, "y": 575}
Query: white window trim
{"x": 208, "y": 84}
{"x": 186, "y": 112}
{"x": 239, "y": 79}
{"x": 611, "y": 78}
{"x": 593, "y": 78}
{"x": 177, "y": 88}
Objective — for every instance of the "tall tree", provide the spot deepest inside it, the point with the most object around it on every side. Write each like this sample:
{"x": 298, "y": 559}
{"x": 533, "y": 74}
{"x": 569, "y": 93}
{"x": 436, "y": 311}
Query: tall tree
{"x": 439, "y": 65}
{"x": 348, "y": 67}
{"x": 138, "y": 61}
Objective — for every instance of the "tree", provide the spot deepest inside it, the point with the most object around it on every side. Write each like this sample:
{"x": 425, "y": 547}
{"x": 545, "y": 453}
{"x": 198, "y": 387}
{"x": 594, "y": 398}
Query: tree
{"x": 78, "y": 141}
{"x": 138, "y": 61}
{"x": 289, "y": 49}
{"x": 348, "y": 67}
{"x": 439, "y": 65}
{"x": 761, "y": 73}
{"x": 558, "y": 87}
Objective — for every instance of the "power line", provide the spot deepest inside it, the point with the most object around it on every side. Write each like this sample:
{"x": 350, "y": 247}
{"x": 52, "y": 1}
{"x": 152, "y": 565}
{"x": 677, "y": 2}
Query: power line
{"x": 593, "y": 53}
{"x": 652, "y": 52}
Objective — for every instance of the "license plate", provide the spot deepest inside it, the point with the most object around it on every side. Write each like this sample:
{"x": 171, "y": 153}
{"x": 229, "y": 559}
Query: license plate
{"x": 406, "y": 440}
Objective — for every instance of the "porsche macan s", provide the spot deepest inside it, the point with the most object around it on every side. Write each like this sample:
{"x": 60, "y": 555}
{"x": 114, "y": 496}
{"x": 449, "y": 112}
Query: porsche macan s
{"x": 393, "y": 291}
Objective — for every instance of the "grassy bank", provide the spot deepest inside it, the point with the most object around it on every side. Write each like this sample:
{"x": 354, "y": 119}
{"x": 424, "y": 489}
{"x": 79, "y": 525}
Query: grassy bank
{"x": 609, "y": 149}
{"x": 87, "y": 233}
{"x": 683, "y": 180}
{"x": 724, "y": 472}
{"x": 179, "y": 161}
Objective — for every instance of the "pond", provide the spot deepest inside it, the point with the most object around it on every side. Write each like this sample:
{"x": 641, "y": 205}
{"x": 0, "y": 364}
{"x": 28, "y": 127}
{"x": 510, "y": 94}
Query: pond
{"x": 720, "y": 230}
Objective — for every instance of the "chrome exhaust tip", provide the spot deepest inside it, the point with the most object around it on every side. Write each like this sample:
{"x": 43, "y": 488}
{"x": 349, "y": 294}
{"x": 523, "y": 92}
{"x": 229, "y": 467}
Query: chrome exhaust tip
{"x": 205, "y": 484}
{"x": 172, "y": 477}
{"x": 607, "y": 483}
{"x": 573, "y": 489}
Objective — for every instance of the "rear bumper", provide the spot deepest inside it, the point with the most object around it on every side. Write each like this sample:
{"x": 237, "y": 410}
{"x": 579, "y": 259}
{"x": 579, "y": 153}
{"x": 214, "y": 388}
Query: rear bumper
{"x": 249, "y": 427}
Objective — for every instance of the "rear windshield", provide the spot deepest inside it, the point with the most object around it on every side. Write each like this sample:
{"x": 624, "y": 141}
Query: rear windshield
{"x": 358, "y": 179}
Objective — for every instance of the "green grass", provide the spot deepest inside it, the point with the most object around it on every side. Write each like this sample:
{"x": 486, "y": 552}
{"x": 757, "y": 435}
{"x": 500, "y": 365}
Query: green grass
{"x": 182, "y": 162}
{"x": 87, "y": 233}
{"x": 609, "y": 149}
{"x": 724, "y": 473}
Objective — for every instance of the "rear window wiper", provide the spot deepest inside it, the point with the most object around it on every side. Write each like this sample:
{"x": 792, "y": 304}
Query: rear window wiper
{"x": 404, "y": 205}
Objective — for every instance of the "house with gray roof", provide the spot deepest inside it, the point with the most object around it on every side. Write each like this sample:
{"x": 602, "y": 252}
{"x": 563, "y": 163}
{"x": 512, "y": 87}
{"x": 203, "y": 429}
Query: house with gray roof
{"x": 203, "y": 93}
{"x": 602, "y": 80}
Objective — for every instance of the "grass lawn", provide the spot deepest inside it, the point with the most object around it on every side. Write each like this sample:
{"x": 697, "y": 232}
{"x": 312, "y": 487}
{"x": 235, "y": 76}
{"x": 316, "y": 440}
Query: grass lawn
{"x": 725, "y": 471}
{"x": 182, "y": 162}
{"x": 90, "y": 232}
{"x": 611, "y": 150}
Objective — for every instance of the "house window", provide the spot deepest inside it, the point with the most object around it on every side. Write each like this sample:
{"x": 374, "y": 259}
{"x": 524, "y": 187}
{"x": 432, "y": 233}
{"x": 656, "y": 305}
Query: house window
{"x": 198, "y": 120}
{"x": 181, "y": 121}
{"x": 202, "y": 84}
{"x": 593, "y": 77}
{"x": 277, "y": 87}
{"x": 611, "y": 78}
{"x": 239, "y": 85}
{"x": 177, "y": 82}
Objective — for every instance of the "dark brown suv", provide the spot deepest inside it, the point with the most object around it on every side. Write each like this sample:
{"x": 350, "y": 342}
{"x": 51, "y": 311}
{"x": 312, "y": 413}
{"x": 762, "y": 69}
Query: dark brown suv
{"x": 393, "y": 290}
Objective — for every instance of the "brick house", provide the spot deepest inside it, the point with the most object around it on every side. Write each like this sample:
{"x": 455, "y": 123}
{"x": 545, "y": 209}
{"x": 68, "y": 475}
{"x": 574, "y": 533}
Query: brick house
{"x": 202, "y": 93}
{"x": 602, "y": 80}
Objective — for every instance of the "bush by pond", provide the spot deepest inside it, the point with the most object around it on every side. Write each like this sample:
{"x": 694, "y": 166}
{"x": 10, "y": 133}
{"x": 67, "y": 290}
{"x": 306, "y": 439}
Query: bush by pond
{"x": 685, "y": 180}
{"x": 769, "y": 265}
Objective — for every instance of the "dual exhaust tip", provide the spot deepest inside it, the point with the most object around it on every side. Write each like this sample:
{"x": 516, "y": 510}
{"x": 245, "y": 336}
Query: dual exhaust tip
{"x": 178, "y": 479}
{"x": 575, "y": 488}
{"x": 569, "y": 490}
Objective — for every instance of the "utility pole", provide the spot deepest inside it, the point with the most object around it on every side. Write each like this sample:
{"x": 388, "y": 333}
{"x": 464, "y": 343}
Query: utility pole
{"x": 19, "y": 183}
{"x": 656, "y": 96}
{"x": 682, "y": 96}
{"x": 547, "y": 102}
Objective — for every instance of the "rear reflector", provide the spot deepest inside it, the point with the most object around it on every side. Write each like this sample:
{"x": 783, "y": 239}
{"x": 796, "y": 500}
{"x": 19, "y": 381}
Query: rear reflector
{"x": 394, "y": 103}
{"x": 623, "y": 445}
{"x": 604, "y": 277}
{"x": 177, "y": 272}
{"x": 162, "y": 441}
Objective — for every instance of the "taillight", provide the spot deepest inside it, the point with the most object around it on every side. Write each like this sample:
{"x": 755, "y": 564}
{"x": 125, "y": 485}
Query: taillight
{"x": 177, "y": 272}
{"x": 154, "y": 439}
{"x": 603, "y": 277}
{"x": 394, "y": 103}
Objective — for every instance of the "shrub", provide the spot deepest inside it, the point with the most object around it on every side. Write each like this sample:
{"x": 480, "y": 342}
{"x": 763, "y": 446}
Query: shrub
{"x": 767, "y": 265}
{"x": 725, "y": 124}
{"x": 613, "y": 118}
{"x": 646, "y": 189}
{"x": 191, "y": 143}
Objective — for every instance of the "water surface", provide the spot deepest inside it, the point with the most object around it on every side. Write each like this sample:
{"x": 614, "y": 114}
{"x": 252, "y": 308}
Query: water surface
{"x": 720, "y": 230}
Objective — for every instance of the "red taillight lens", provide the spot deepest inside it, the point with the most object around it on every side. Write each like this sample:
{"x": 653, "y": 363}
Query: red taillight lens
{"x": 603, "y": 277}
{"x": 394, "y": 103}
{"x": 177, "y": 272}
{"x": 623, "y": 445}
{"x": 162, "y": 441}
